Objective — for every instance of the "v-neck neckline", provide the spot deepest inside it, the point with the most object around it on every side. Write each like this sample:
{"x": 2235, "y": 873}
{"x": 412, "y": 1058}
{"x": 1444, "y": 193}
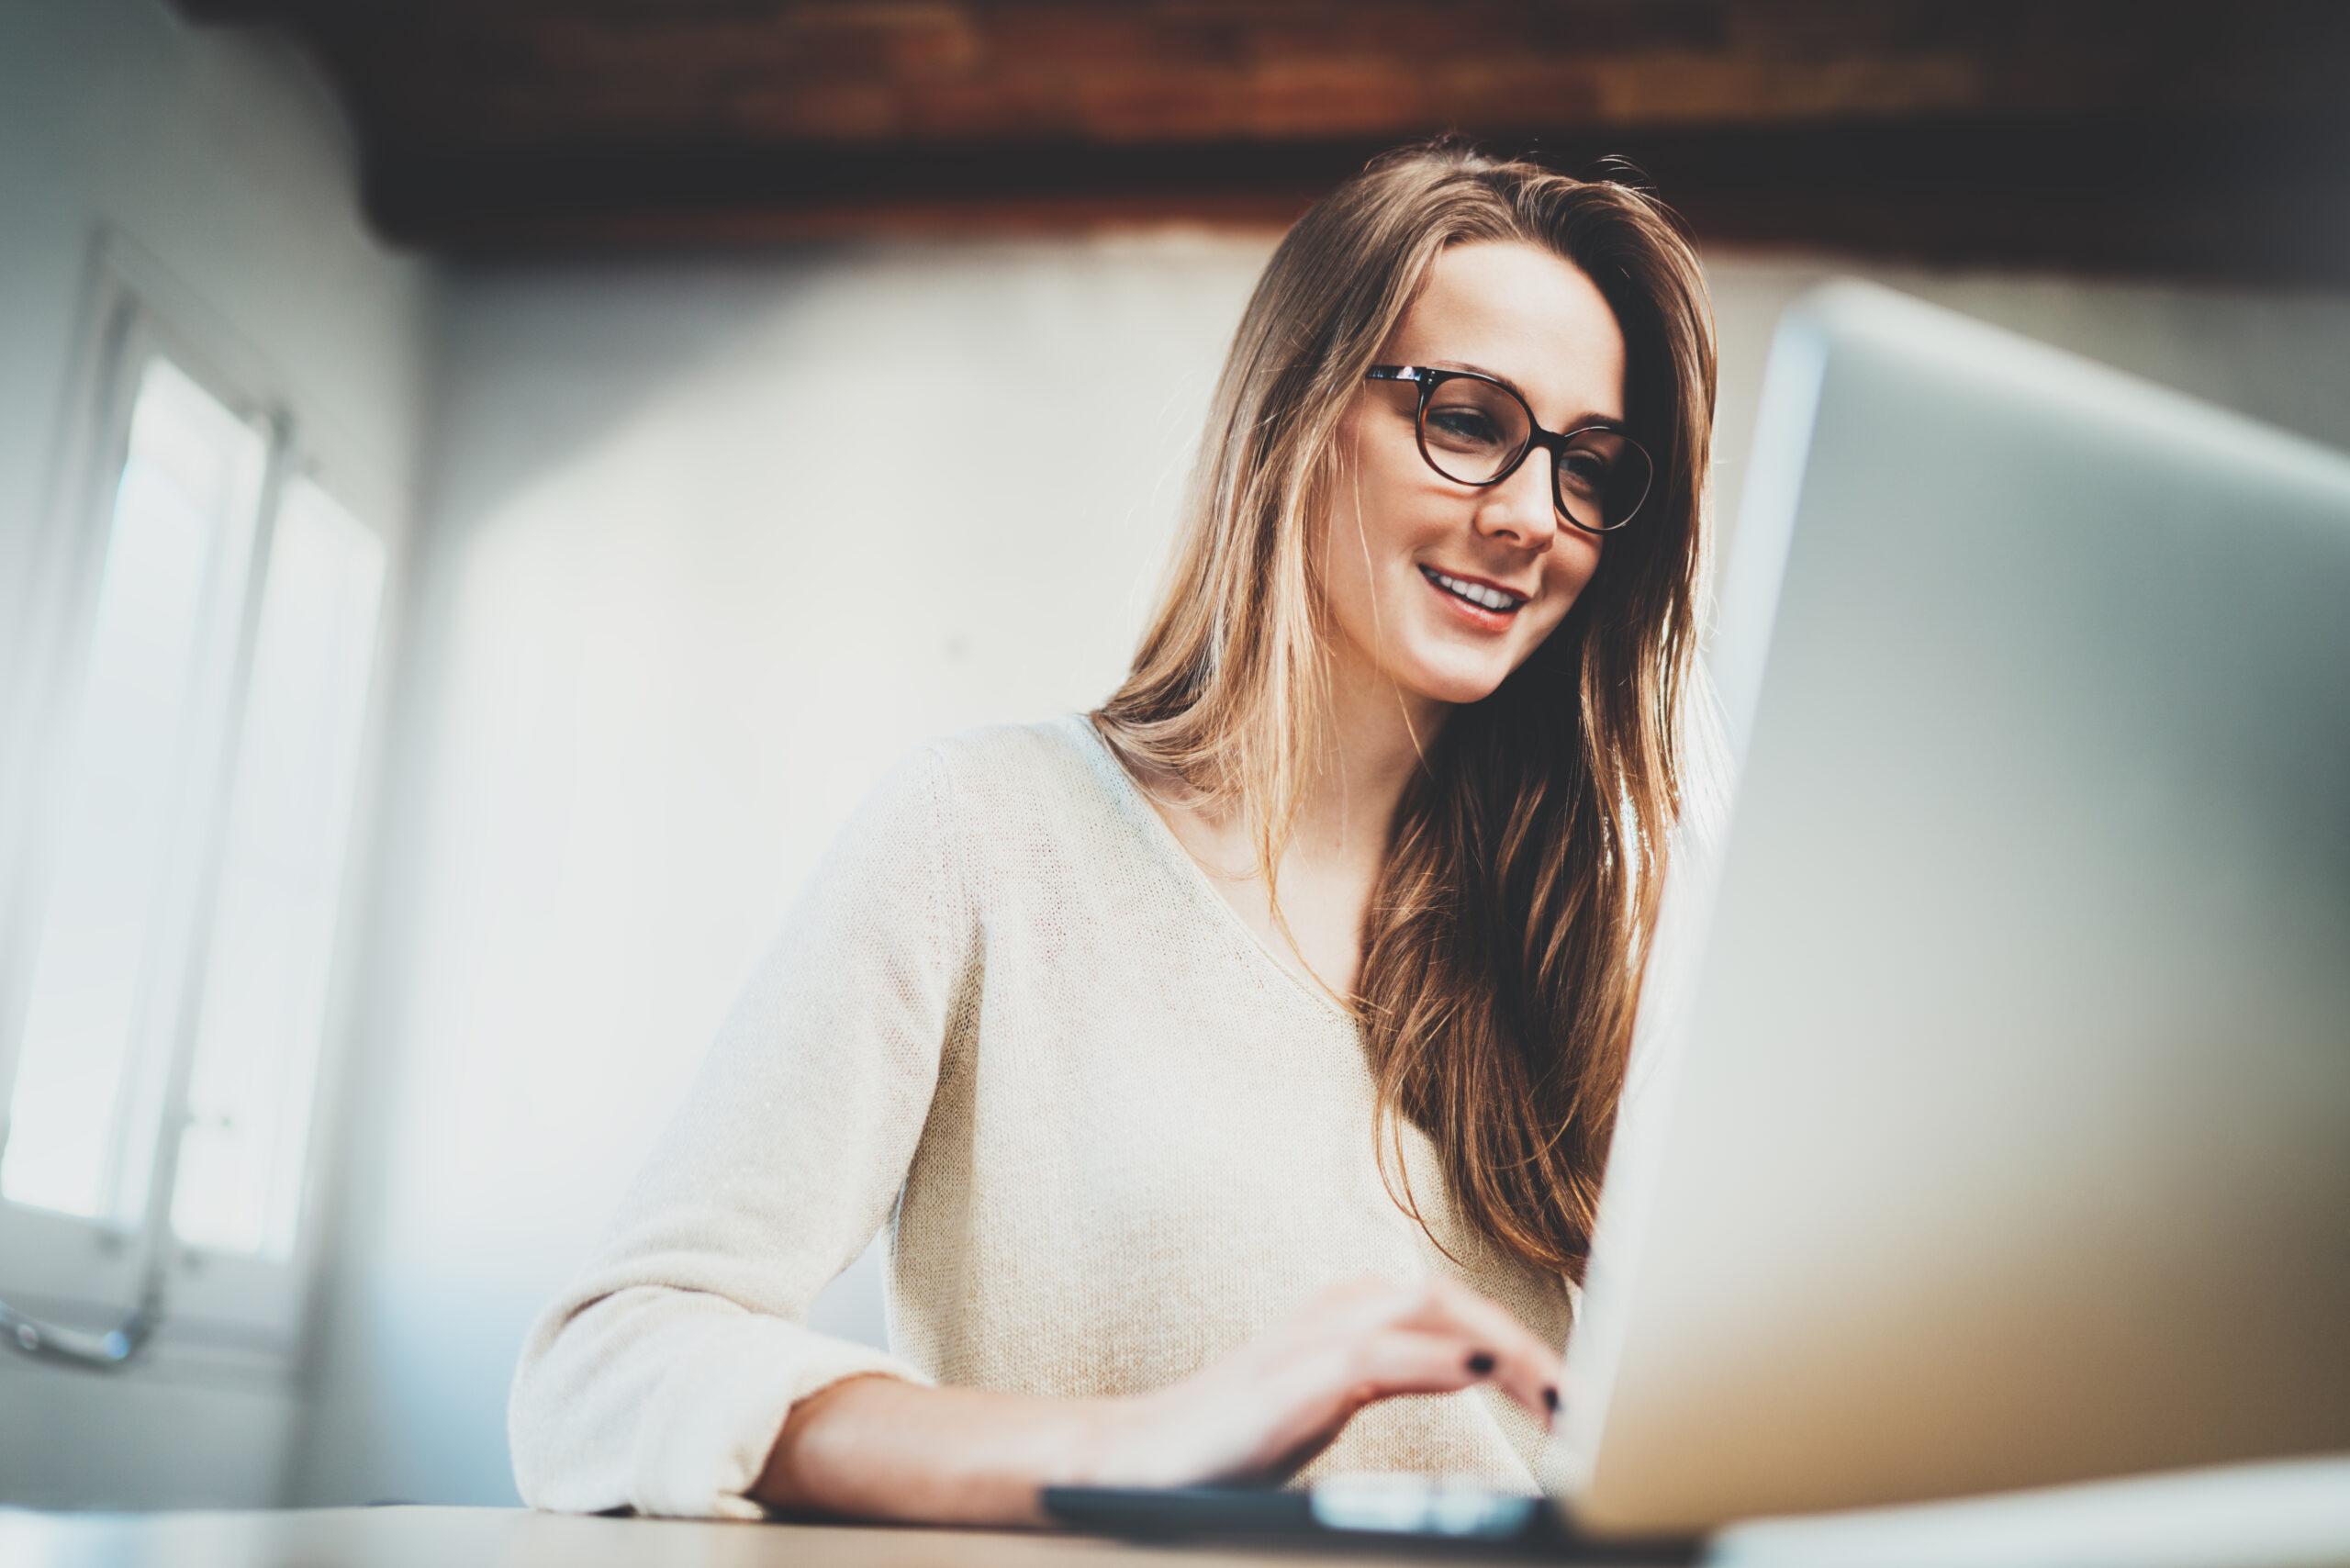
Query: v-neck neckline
{"x": 1154, "y": 827}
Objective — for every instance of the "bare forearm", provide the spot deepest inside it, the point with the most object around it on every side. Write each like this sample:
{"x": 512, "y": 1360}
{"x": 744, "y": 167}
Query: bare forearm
{"x": 880, "y": 1448}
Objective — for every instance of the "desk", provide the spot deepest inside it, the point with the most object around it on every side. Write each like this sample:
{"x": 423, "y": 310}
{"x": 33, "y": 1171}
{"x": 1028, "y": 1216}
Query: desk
{"x": 516, "y": 1538}
{"x": 2281, "y": 1515}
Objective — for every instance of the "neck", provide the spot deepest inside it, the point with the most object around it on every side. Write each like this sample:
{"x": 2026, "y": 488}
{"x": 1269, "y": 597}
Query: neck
{"x": 1377, "y": 734}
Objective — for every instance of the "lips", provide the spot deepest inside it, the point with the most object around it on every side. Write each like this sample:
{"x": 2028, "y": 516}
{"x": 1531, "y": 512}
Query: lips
{"x": 1486, "y": 581}
{"x": 1455, "y": 580}
{"x": 1468, "y": 613}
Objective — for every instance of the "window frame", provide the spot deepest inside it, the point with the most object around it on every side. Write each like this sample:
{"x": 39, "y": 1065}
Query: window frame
{"x": 89, "y": 1273}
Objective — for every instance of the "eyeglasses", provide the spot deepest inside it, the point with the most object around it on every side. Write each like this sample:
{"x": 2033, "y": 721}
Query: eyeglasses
{"x": 1476, "y": 430}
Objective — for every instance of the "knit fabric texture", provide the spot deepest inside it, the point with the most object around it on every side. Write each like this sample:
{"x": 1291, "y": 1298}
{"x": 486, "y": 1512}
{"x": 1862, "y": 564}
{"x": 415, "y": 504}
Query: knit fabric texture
{"x": 1111, "y": 1135}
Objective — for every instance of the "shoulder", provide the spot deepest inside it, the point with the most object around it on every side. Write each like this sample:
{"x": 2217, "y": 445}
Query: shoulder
{"x": 1035, "y": 802}
{"x": 994, "y": 764}
{"x": 1038, "y": 743}
{"x": 968, "y": 823}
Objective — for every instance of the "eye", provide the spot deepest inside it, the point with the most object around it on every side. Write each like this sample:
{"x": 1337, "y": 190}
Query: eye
{"x": 1475, "y": 421}
{"x": 1464, "y": 426}
{"x": 1582, "y": 473}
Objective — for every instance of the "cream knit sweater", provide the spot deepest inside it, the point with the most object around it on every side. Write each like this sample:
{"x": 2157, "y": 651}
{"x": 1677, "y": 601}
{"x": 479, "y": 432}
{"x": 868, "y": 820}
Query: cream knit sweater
{"x": 1111, "y": 1134}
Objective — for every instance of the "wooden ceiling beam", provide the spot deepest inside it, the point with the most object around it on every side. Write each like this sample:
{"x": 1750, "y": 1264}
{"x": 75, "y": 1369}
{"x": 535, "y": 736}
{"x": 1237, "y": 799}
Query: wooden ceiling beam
{"x": 2111, "y": 135}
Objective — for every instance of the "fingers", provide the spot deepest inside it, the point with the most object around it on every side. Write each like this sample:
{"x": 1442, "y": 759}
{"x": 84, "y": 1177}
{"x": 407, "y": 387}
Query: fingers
{"x": 1270, "y": 1406}
{"x": 1524, "y": 1365}
{"x": 1268, "y": 1409}
{"x": 1381, "y": 1364}
{"x": 1407, "y": 1360}
{"x": 1527, "y": 1366}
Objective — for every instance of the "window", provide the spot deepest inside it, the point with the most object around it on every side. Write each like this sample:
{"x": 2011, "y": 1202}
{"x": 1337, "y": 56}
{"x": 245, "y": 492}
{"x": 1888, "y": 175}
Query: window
{"x": 168, "y": 948}
{"x": 242, "y": 1148}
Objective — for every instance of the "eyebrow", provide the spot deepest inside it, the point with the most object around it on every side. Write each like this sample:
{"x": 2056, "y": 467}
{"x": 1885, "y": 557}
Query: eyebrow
{"x": 1584, "y": 421}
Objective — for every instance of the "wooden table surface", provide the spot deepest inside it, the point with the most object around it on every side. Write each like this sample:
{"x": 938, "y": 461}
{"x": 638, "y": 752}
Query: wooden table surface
{"x": 2293, "y": 1514}
{"x": 518, "y": 1538}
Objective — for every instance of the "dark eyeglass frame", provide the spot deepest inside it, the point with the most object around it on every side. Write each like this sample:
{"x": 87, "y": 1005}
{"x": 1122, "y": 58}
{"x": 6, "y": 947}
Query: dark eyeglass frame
{"x": 1427, "y": 378}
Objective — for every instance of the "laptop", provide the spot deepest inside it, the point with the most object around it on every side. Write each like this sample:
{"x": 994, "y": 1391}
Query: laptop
{"x": 1999, "y": 1132}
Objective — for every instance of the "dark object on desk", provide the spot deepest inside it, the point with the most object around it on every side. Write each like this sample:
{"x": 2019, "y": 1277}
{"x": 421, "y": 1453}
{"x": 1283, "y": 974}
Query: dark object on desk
{"x": 1408, "y": 1512}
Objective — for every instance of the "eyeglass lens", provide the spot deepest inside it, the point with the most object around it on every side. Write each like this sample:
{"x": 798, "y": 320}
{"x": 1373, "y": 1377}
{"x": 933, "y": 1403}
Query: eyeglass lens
{"x": 1471, "y": 431}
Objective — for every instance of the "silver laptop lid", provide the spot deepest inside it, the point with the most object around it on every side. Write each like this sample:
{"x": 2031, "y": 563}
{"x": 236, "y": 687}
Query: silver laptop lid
{"x": 2003, "y": 1134}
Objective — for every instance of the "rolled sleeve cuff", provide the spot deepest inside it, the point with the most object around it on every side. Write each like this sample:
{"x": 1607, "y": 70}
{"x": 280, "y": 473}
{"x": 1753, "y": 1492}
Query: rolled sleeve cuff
{"x": 705, "y": 1436}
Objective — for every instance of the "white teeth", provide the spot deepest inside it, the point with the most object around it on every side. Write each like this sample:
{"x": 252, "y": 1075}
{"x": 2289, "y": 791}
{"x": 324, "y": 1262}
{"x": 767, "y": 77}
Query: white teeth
{"x": 1475, "y": 593}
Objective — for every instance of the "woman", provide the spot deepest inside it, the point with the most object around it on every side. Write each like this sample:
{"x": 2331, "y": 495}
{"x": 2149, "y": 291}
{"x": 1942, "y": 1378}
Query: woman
{"x": 1234, "y": 1065}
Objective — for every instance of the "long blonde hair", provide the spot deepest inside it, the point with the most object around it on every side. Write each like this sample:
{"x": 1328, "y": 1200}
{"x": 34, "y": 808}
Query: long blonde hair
{"x": 1510, "y": 925}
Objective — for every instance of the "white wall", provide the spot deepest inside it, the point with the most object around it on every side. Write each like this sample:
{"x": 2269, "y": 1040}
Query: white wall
{"x": 225, "y": 163}
{"x": 712, "y": 544}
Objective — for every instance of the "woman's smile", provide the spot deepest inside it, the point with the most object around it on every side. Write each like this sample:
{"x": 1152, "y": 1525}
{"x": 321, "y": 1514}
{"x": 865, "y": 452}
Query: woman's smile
{"x": 1478, "y": 607}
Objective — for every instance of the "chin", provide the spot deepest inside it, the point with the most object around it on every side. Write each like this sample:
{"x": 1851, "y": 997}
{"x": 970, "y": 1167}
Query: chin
{"x": 1455, "y": 686}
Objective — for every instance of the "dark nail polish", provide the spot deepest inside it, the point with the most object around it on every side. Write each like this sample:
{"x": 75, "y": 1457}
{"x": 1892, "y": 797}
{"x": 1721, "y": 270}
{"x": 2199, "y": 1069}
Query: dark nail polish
{"x": 1480, "y": 1362}
{"x": 1551, "y": 1398}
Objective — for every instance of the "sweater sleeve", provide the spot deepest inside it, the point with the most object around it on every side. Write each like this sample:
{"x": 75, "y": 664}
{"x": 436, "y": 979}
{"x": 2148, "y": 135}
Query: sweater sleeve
{"x": 658, "y": 1379}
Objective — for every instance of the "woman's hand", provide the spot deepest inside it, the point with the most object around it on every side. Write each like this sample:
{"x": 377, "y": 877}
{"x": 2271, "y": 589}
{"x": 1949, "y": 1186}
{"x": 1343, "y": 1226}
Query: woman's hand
{"x": 876, "y": 1448}
{"x": 1264, "y": 1411}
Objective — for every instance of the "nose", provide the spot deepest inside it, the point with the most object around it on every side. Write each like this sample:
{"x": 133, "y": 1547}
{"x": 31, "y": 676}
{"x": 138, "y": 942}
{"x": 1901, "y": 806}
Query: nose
{"x": 1522, "y": 508}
